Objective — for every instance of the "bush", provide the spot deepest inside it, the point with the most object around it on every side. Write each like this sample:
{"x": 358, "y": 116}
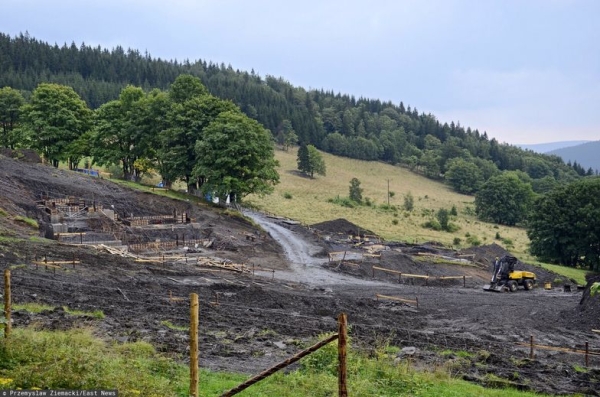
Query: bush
{"x": 115, "y": 171}
{"x": 368, "y": 202}
{"x": 287, "y": 195}
{"x": 432, "y": 224}
{"x": 507, "y": 241}
{"x": 394, "y": 221}
{"x": 498, "y": 236}
{"x": 456, "y": 241}
{"x": 409, "y": 202}
{"x": 453, "y": 211}
{"x": 473, "y": 240}
{"x": 343, "y": 201}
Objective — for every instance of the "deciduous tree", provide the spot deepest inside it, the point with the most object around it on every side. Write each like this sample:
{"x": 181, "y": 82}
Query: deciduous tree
{"x": 10, "y": 110}
{"x": 504, "y": 199}
{"x": 54, "y": 118}
{"x": 235, "y": 156}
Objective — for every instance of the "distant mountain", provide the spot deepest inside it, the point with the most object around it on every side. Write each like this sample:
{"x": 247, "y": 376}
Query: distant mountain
{"x": 550, "y": 146}
{"x": 586, "y": 154}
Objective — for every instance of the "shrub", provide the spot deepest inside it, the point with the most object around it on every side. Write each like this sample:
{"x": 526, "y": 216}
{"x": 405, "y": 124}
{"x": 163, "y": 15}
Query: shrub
{"x": 287, "y": 195}
{"x": 473, "y": 240}
{"x": 453, "y": 211}
{"x": 394, "y": 221}
{"x": 409, "y": 202}
{"x": 456, "y": 241}
{"x": 115, "y": 171}
{"x": 507, "y": 241}
{"x": 498, "y": 236}
{"x": 432, "y": 224}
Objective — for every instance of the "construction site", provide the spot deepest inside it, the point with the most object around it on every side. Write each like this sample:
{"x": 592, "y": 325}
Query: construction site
{"x": 267, "y": 284}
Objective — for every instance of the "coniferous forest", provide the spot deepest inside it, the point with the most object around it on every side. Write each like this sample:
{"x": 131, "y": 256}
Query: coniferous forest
{"x": 360, "y": 128}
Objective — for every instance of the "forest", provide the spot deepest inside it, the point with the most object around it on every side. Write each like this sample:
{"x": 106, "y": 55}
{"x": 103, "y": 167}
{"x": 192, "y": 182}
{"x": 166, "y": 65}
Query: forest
{"x": 213, "y": 126}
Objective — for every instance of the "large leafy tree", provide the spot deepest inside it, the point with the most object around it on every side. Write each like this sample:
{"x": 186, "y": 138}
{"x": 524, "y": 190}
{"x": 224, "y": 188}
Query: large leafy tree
{"x": 11, "y": 101}
{"x": 504, "y": 199}
{"x": 235, "y": 157}
{"x": 54, "y": 118}
{"x": 464, "y": 176}
{"x": 187, "y": 121}
{"x": 127, "y": 130}
{"x": 563, "y": 226}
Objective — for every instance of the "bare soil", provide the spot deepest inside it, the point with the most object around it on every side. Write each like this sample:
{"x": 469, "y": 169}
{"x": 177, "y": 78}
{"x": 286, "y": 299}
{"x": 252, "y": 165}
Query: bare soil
{"x": 249, "y": 322}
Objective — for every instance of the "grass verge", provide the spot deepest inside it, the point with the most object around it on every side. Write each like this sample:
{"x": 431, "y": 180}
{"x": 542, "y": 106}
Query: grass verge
{"x": 96, "y": 313}
{"x": 76, "y": 359}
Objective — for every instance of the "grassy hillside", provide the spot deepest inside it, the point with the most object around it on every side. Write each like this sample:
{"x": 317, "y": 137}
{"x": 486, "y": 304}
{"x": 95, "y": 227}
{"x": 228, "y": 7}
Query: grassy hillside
{"x": 309, "y": 202}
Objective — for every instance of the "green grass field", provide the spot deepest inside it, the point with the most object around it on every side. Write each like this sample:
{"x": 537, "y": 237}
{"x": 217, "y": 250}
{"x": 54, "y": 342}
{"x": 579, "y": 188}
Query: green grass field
{"x": 309, "y": 202}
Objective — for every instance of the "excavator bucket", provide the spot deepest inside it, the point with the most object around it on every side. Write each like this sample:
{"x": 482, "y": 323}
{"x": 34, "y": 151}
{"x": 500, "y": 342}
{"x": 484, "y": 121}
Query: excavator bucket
{"x": 494, "y": 288}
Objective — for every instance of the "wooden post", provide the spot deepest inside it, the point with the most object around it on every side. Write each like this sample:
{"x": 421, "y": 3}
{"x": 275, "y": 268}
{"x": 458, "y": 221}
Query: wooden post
{"x": 464, "y": 282}
{"x": 73, "y": 261}
{"x": 7, "y": 303}
{"x": 531, "y": 347}
{"x": 373, "y": 271}
{"x": 342, "y": 341}
{"x": 587, "y": 352}
{"x": 417, "y": 301}
{"x": 194, "y": 308}
{"x": 80, "y": 238}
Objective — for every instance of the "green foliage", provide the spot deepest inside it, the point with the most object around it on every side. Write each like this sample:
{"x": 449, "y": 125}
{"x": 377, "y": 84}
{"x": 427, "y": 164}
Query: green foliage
{"x": 287, "y": 195}
{"x": 498, "y": 236}
{"x": 32, "y": 307}
{"x": 456, "y": 241}
{"x": 453, "y": 211}
{"x": 394, "y": 221}
{"x": 310, "y": 161}
{"x": 28, "y": 221}
{"x": 409, "y": 202}
{"x": 3, "y": 213}
{"x": 344, "y": 202}
{"x": 563, "y": 226}
{"x": 355, "y": 190}
{"x": 443, "y": 218}
{"x": 473, "y": 240}
{"x": 464, "y": 176}
{"x": 235, "y": 157}
{"x": 174, "y": 327}
{"x": 594, "y": 289}
{"x": 53, "y": 119}
{"x": 432, "y": 224}
{"x": 96, "y": 313}
{"x": 11, "y": 101}
{"x": 504, "y": 199}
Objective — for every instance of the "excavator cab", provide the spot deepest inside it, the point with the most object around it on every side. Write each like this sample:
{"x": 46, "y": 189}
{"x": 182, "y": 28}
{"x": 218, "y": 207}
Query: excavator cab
{"x": 506, "y": 278}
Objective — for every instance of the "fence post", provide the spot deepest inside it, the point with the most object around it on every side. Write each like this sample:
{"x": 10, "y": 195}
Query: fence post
{"x": 194, "y": 308}
{"x": 531, "y": 347}
{"x": 464, "y": 282}
{"x": 587, "y": 357}
{"x": 342, "y": 341}
{"x": 7, "y": 303}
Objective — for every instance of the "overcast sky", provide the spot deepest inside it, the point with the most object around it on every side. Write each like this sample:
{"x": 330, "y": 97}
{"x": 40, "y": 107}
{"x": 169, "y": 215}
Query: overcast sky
{"x": 525, "y": 71}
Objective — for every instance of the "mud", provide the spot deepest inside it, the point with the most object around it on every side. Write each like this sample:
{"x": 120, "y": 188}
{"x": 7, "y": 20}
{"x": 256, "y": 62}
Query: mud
{"x": 251, "y": 321}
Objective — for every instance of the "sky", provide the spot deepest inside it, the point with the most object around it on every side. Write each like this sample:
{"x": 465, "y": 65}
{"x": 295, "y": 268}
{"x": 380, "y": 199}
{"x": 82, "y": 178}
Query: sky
{"x": 524, "y": 71}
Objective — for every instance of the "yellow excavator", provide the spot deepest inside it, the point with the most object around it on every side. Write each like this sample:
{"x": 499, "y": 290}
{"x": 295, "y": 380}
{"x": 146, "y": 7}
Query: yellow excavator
{"x": 506, "y": 278}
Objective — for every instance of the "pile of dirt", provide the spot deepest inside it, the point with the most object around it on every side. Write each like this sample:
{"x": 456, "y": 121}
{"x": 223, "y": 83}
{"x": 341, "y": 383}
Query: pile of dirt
{"x": 587, "y": 315}
{"x": 342, "y": 226}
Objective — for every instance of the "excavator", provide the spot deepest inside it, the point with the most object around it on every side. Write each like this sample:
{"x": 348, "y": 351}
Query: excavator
{"x": 506, "y": 278}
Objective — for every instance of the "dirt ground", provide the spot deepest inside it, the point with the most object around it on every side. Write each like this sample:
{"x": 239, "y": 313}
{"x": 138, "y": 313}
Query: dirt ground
{"x": 249, "y": 322}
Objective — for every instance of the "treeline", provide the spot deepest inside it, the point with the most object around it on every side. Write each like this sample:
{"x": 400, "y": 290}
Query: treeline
{"x": 360, "y": 128}
{"x": 184, "y": 133}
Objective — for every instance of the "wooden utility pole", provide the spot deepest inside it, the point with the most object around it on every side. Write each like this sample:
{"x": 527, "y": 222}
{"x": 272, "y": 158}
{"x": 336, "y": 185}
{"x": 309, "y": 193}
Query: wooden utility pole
{"x": 7, "y": 303}
{"x": 342, "y": 341}
{"x": 194, "y": 308}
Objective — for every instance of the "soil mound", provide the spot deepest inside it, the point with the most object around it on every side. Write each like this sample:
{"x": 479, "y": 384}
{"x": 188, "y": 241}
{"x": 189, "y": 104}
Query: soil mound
{"x": 588, "y": 313}
{"x": 342, "y": 226}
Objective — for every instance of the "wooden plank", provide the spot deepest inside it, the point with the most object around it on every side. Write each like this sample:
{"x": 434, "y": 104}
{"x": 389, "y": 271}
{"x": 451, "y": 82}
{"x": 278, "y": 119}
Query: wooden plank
{"x": 560, "y": 349}
{"x": 56, "y": 262}
{"x": 395, "y": 298}
{"x": 451, "y": 277}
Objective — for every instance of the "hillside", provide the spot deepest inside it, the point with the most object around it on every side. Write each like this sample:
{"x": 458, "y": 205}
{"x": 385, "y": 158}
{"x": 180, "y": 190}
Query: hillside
{"x": 550, "y": 146}
{"x": 341, "y": 124}
{"x": 309, "y": 202}
{"x": 585, "y": 154}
